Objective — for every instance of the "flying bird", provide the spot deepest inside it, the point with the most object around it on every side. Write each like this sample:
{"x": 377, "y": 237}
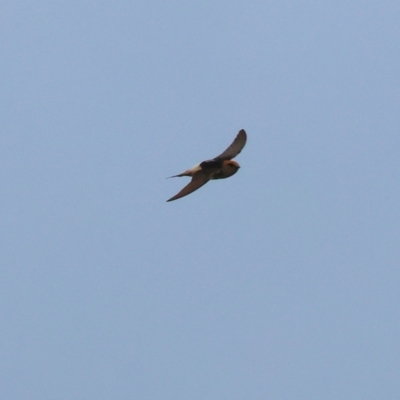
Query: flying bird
{"x": 220, "y": 167}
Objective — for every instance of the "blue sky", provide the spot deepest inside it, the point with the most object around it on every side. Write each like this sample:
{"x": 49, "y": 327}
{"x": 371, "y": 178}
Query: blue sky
{"x": 281, "y": 282}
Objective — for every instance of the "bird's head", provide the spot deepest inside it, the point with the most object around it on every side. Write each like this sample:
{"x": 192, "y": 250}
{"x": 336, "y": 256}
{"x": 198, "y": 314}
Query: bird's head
{"x": 231, "y": 167}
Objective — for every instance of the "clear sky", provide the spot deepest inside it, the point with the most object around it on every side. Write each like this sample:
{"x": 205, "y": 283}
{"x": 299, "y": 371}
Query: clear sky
{"x": 281, "y": 282}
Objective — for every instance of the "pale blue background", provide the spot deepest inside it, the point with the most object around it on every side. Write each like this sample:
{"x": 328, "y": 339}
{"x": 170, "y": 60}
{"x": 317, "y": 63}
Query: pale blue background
{"x": 282, "y": 282}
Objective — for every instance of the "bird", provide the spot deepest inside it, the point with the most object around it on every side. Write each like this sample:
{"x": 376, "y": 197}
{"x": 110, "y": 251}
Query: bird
{"x": 220, "y": 167}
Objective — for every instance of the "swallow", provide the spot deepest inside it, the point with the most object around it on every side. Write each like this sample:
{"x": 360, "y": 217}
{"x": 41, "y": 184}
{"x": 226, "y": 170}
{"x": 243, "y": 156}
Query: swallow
{"x": 220, "y": 167}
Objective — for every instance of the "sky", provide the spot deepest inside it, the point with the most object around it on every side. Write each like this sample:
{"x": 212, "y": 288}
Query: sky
{"x": 281, "y": 282}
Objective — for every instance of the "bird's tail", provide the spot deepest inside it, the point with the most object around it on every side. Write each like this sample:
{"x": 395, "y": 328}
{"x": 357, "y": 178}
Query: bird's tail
{"x": 188, "y": 172}
{"x": 179, "y": 175}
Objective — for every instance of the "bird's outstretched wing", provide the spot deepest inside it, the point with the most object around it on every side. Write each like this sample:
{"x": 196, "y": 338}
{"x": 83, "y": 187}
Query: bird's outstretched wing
{"x": 198, "y": 180}
{"x": 235, "y": 148}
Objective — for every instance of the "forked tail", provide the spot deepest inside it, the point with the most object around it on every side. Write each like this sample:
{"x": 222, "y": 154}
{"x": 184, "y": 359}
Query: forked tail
{"x": 179, "y": 175}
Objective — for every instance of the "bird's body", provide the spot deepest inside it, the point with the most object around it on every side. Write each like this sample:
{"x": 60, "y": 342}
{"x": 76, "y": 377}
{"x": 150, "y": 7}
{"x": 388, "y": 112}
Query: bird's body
{"x": 220, "y": 167}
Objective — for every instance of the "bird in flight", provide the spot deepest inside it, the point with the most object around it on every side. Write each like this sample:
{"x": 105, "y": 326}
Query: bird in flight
{"x": 220, "y": 167}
